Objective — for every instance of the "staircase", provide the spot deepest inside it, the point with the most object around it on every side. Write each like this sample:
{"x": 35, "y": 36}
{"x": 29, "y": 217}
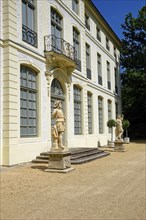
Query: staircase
{"x": 78, "y": 155}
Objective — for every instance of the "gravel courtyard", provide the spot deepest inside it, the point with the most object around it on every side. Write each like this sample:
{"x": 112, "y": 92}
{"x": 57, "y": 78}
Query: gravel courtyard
{"x": 112, "y": 188}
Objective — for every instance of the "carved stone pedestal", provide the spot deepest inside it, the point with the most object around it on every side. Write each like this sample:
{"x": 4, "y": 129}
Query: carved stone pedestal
{"x": 119, "y": 146}
{"x": 59, "y": 161}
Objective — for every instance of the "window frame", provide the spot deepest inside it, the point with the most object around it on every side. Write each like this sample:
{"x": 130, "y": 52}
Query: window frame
{"x": 90, "y": 115}
{"x": 77, "y": 110}
{"x": 30, "y": 109}
{"x": 99, "y": 68}
{"x": 75, "y": 6}
{"x": 109, "y": 107}
{"x": 29, "y": 34}
{"x": 100, "y": 114}
{"x": 88, "y": 61}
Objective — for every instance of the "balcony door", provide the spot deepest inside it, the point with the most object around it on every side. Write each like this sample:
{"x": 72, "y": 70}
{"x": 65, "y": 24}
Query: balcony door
{"x": 56, "y": 30}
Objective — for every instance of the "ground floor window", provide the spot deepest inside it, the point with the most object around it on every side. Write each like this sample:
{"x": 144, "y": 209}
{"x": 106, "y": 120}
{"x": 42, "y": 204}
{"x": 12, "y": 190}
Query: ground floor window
{"x": 77, "y": 110}
{"x": 28, "y": 102}
{"x": 100, "y": 114}
{"x": 89, "y": 97}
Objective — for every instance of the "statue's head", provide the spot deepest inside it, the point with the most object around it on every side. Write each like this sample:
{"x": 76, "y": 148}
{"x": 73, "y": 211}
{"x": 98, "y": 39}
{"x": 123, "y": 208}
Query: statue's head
{"x": 57, "y": 104}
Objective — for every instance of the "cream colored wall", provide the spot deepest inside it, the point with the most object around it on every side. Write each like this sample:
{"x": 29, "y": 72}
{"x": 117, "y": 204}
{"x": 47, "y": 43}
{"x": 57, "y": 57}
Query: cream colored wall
{"x": 1, "y": 101}
{"x": 1, "y": 79}
{"x": 16, "y": 52}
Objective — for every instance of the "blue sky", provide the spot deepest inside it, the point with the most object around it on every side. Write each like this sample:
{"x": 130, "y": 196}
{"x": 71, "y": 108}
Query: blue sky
{"x": 114, "y": 11}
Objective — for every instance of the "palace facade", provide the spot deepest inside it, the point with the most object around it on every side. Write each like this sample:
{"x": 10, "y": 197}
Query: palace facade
{"x": 49, "y": 50}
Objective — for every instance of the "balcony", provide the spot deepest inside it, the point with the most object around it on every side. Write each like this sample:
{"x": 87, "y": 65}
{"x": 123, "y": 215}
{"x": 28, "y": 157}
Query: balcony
{"x": 29, "y": 36}
{"x": 59, "y": 52}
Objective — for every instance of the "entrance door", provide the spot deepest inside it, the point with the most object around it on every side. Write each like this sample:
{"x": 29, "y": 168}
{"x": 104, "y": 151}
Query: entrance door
{"x": 57, "y": 93}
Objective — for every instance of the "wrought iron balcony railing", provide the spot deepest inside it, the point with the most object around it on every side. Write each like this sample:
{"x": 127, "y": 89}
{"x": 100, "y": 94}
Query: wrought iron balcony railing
{"x": 60, "y": 46}
{"x": 29, "y": 36}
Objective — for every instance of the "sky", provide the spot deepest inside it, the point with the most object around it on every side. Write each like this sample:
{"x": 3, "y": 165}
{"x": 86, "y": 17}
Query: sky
{"x": 114, "y": 12}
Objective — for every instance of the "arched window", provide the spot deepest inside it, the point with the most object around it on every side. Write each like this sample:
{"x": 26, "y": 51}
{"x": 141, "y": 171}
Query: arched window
{"x": 76, "y": 44}
{"x": 57, "y": 93}
{"x": 29, "y": 34}
{"x": 109, "y": 103}
{"x": 56, "y": 30}
{"x": 56, "y": 23}
{"x": 77, "y": 110}
{"x": 100, "y": 114}
{"x": 28, "y": 102}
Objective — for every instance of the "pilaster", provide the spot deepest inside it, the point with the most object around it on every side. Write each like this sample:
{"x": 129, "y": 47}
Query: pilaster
{"x": 9, "y": 20}
{"x": 10, "y": 102}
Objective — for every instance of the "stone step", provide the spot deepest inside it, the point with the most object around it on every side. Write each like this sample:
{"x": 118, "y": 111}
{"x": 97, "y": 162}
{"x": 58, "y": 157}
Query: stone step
{"x": 81, "y": 154}
{"x": 89, "y": 158}
{"x": 78, "y": 155}
{"x": 40, "y": 161}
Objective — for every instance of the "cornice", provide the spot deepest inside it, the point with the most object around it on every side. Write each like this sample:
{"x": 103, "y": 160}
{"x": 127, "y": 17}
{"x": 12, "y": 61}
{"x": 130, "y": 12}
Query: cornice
{"x": 94, "y": 86}
{"x": 99, "y": 45}
{"x": 92, "y": 8}
{"x": 22, "y": 48}
{"x": 73, "y": 14}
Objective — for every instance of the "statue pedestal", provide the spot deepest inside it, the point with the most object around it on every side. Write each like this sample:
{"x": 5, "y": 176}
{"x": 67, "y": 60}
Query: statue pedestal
{"x": 119, "y": 146}
{"x": 59, "y": 161}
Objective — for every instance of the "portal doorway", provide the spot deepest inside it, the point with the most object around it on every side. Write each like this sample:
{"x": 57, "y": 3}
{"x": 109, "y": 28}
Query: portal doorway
{"x": 57, "y": 93}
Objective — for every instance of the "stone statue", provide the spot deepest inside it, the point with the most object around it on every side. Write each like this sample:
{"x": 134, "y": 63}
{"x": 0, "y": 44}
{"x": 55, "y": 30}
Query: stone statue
{"x": 119, "y": 128}
{"x": 59, "y": 127}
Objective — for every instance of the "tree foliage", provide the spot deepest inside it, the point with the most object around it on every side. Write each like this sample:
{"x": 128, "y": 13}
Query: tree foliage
{"x": 133, "y": 61}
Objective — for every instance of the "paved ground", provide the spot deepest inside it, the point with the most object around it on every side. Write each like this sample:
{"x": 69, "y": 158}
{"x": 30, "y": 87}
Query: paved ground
{"x": 112, "y": 188}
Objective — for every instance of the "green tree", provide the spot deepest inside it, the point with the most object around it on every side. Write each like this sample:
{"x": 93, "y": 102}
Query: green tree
{"x": 110, "y": 124}
{"x": 133, "y": 61}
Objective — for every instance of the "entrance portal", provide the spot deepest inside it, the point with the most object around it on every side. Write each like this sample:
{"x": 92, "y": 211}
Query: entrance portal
{"x": 57, "y": 93}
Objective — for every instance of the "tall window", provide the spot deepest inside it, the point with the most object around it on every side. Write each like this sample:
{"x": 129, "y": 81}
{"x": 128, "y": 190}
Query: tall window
{"x": 28, "y": 102}
{"x": 56, "y": 23}
{"x": 56, "y": 94}
{"x": 56, "y": 30}
{"x": 116, "y": 108}
{"x": 76, "y": 44}
{"x": 75, "y": 5}
{"x": 108, "y": 75}
{"x": 109, "y": 112}
{"x": 98, "y": 34}
{"x": 88, "y": 66}
{"x": 116, "y": 81}
{"x": 100, "y": 114}
{"x": 99, "y": 70}
{"x": 28, "y": 22}
{"x": 89, "y": 96}
{"x": 87, "y": 24}
{"x": 107, "y": 44}
{"x": 115, "y": 54}
{"x": 77, "y": 110}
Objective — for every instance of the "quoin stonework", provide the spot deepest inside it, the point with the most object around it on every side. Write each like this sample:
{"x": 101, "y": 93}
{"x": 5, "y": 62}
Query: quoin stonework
{"x": 55, "y": 50}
